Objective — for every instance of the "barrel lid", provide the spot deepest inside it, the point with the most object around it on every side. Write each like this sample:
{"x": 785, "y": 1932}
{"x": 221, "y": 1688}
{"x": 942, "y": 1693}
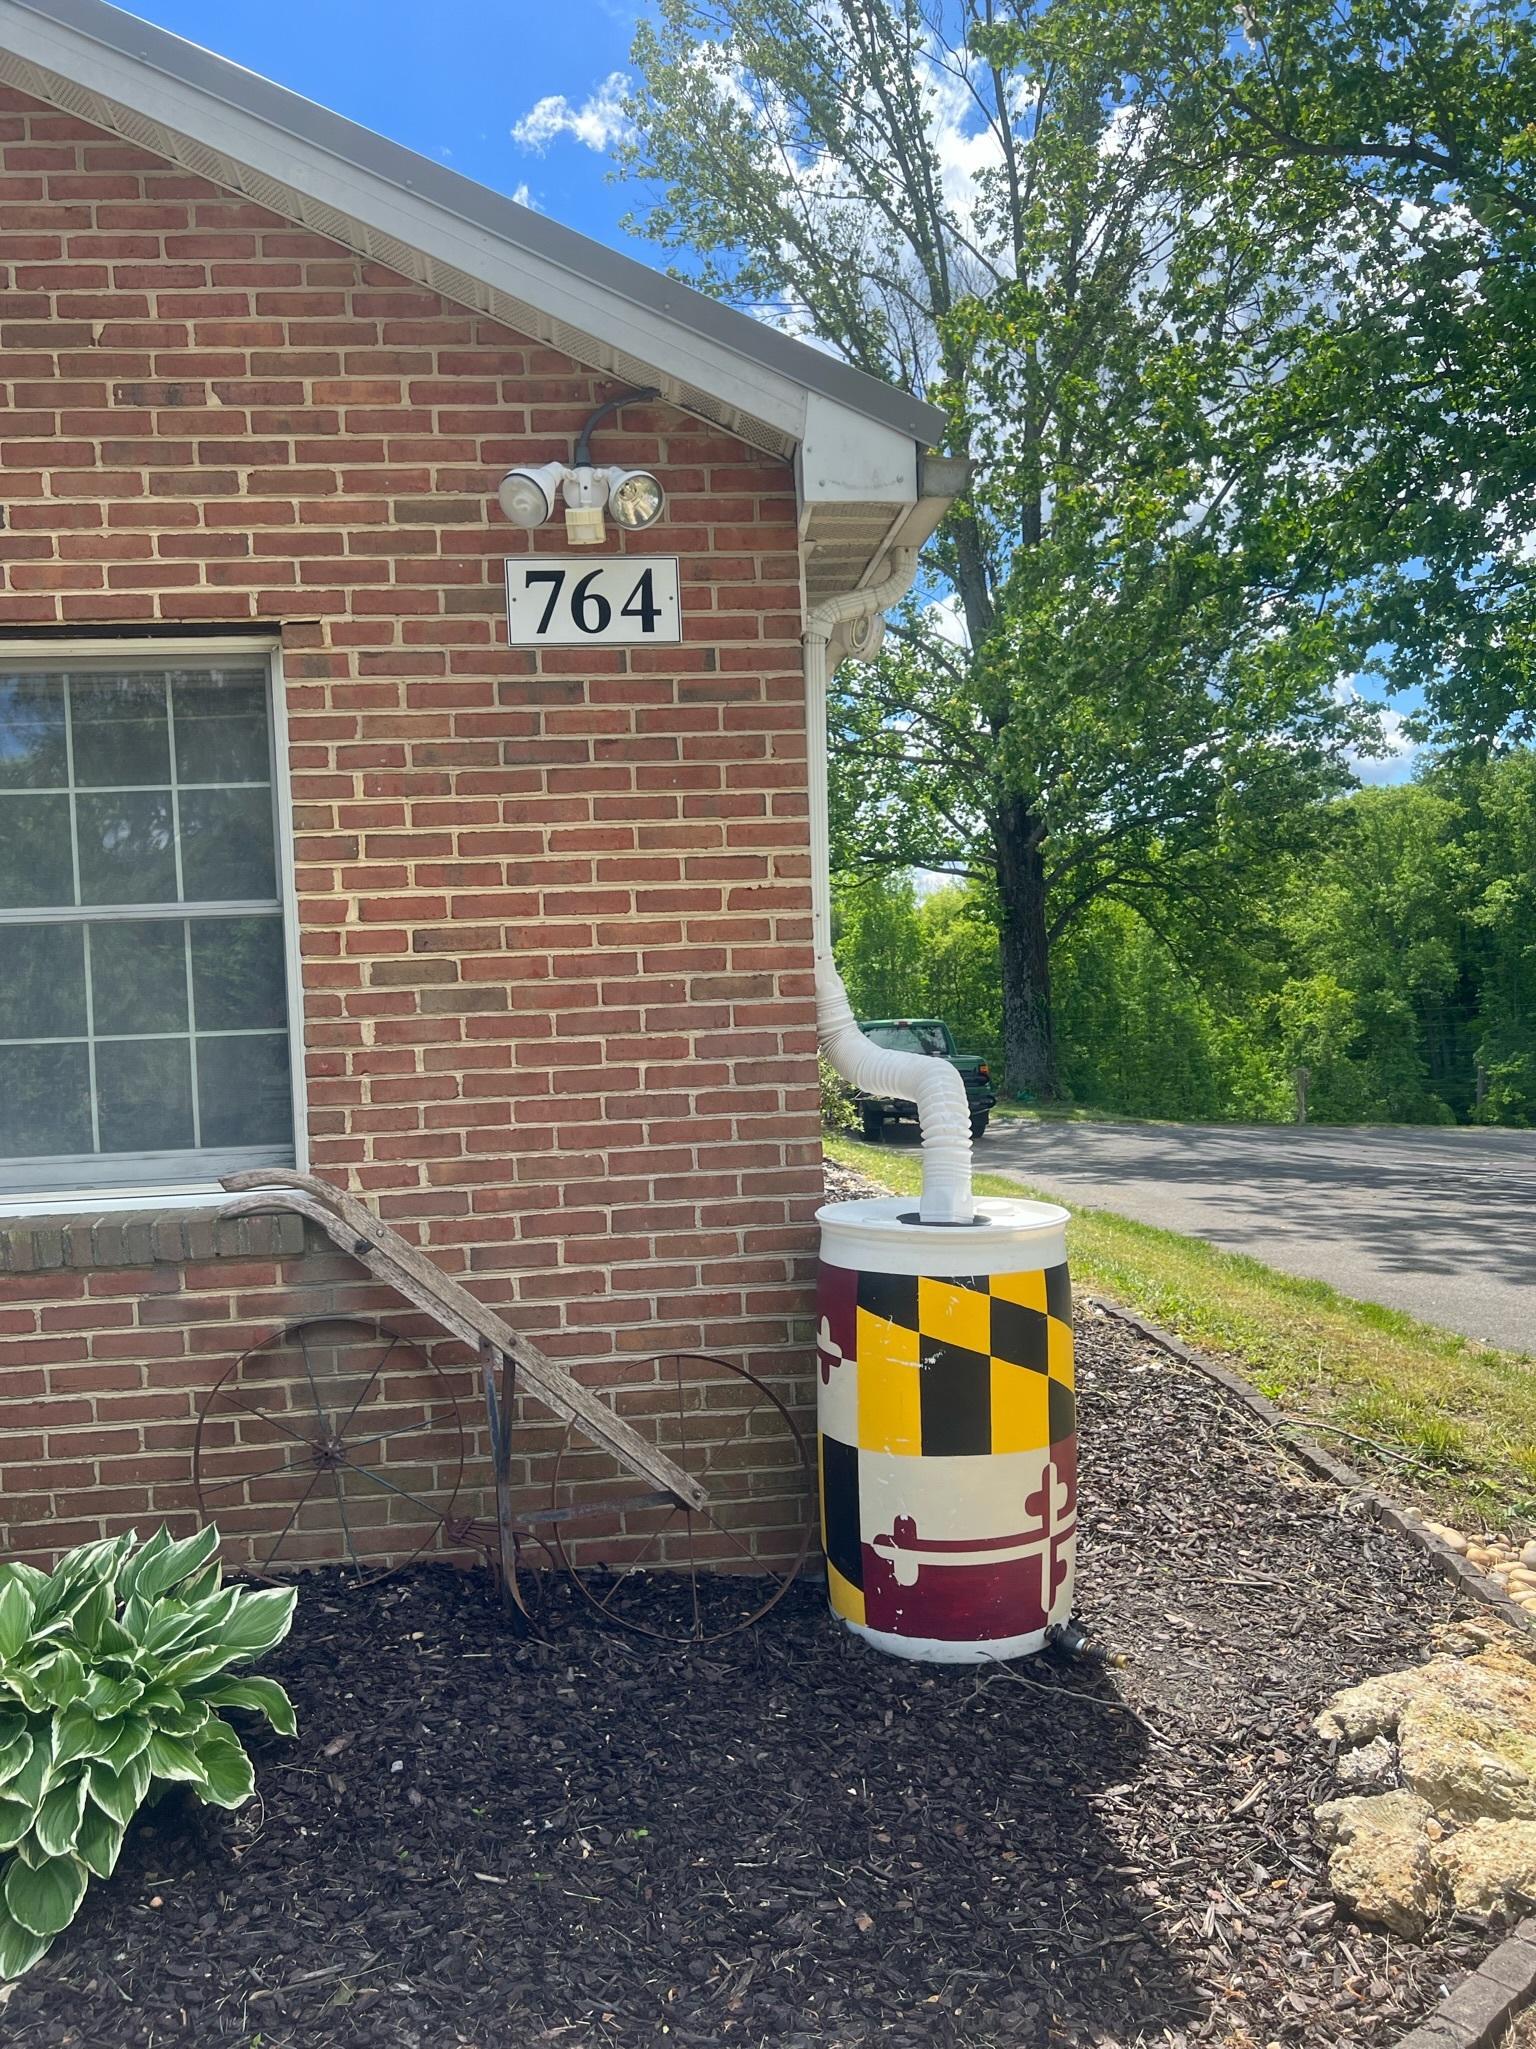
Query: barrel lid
{"x": 883, "y": 1235}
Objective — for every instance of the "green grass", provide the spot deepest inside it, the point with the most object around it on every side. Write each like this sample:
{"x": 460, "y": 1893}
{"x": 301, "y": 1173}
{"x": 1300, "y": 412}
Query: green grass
{"x": 1450, "y": 1423}
{"x": 1062, "y": 1113}
{"x": 1008, "y": 1107}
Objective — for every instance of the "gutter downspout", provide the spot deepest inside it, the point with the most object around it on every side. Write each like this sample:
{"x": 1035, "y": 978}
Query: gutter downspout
{"x": 933, "y": 1085}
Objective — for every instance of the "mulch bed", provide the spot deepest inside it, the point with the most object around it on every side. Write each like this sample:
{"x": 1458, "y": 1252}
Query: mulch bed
{"x": 790, "y": 1840}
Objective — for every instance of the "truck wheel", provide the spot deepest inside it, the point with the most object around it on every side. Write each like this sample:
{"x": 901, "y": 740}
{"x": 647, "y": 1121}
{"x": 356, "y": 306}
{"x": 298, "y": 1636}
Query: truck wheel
{"x": 873, "y": 1119}
{"x": 979, "y": 1124}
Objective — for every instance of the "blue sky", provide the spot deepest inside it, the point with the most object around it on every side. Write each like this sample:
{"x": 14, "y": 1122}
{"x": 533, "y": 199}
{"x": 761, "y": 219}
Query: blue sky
{"x": 451, "y": 79}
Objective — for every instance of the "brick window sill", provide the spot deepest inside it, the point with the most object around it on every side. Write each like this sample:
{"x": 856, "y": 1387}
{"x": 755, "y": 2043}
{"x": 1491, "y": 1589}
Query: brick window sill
{"x": 148, "y": 1237}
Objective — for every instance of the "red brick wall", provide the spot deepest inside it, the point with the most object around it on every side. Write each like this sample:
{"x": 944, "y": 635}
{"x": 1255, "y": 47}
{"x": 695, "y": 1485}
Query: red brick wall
{"x": 555, "y": 909}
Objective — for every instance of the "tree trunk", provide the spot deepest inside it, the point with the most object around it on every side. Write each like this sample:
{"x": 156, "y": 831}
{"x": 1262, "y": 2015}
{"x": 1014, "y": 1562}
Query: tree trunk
{"x": 1029, "y": 1037}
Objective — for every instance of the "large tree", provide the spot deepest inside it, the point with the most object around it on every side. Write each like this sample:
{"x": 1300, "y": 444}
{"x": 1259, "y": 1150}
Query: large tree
{"x": 1123, "y": 676}
{"x": 1411, "y": 126}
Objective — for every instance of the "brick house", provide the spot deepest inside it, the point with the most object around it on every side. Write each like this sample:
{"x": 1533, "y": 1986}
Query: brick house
{"x": 300, "y": 861}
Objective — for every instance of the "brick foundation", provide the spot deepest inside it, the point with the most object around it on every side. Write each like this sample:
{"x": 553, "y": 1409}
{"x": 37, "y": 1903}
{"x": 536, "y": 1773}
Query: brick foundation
{"x": 555, "y": 916}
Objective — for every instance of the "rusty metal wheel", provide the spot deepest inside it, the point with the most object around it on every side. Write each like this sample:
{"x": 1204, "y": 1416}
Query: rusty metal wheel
{"x": 333, "y": 1440}
{"x": 679, "y": 1575}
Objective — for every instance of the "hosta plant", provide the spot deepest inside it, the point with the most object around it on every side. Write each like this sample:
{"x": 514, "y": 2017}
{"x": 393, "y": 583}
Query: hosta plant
{"x": 112, "y": 1671}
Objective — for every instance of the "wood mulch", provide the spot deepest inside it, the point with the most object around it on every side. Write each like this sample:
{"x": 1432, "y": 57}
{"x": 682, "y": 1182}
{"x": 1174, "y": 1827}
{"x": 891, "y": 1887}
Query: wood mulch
{"x": 789, "y": 1840}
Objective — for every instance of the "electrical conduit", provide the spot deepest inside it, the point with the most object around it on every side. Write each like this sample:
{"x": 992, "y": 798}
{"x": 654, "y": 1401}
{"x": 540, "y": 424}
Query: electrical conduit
{"x": 932, "y": 1084}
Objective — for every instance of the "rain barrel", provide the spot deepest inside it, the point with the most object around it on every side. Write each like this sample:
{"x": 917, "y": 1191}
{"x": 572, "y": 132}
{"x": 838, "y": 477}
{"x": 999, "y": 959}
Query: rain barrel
{"x": 946, "y": 1427}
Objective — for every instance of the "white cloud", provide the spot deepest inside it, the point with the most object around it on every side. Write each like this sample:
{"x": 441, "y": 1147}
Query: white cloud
{"x": 964, "y": 142}
{"x": 1396, "y": 765}
{"x": 598, "y": 123}
{"x": 947, "y": 616}
{"x": 523, "y": 197}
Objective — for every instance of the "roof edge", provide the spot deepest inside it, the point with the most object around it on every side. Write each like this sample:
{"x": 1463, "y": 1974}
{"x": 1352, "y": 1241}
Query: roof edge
{"x": 519, "y": 227}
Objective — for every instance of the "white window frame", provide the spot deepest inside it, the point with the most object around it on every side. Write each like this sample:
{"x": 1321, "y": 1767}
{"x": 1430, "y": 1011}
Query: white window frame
{"x": 172, "y": 1191}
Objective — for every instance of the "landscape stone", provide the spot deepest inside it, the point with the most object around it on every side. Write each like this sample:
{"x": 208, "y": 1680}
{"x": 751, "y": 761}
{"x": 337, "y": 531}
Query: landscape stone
{"x": 1488, "y": 1867}
{"x": 1467, "y": 1737}
{"x": 1379, "y": 1859}
{"x": 1459, "y": 1832}
{"x": 1465, "y": 1730}
{"x": 1369, "y": 1767}
{"x": 1371, "y": 1709}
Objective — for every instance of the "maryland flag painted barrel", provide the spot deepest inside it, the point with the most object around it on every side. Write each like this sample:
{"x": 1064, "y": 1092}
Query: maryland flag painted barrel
{"x": 947, "y": 1431}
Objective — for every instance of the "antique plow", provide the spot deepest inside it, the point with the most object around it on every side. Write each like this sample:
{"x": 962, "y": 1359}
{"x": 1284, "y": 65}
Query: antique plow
{"x": 374, "y": 1397}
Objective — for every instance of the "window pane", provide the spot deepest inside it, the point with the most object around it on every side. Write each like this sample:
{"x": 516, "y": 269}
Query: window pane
{"x": 144, "y": 1095}
{"x": 42, "y": 984}
{"x": 221, "y": 728}
{"x": 45, "y": 1105}
{"x": 35, "y": 865}
{"x": 226, "y": 845}
{"x": 124, "y": 785}
{"x": 243, "y": 1090}
{"x": 121, "y": 732}
{"x": 237, "y": 973}
{"x": 126, "y": 852}
{"x": 139, "y": 976}
{"x": 33, "y": 755}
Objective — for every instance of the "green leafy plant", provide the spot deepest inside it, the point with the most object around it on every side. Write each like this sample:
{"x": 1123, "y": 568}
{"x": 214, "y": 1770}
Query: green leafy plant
{"x": 837, "y": 1099}
{"x": 112, "y": 1668}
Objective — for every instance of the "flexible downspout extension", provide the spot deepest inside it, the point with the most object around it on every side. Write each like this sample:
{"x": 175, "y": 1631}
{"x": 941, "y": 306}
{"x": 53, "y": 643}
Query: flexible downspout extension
{"x": 933, "y": 1085}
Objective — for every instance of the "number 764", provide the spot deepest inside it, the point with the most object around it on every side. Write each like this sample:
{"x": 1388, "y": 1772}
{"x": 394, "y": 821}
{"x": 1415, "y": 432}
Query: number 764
{"x": 590, "y": 611}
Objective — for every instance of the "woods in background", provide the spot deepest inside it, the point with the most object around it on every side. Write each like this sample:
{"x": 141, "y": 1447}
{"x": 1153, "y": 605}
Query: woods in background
{"x": 1392, "y": 964}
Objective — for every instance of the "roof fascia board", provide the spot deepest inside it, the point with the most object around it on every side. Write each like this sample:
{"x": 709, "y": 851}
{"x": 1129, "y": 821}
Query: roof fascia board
{"x": 846, "y": 460}
{"x": 390, "y": 189}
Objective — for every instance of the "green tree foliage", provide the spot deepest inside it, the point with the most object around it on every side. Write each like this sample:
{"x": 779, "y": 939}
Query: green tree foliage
{"x": 1496, "y": 829}
{"x": 877, "y": 941}
{"x": 1137, "y": 1033}
{"x": 1131, "y": 693}
{"x": 902, "y": 955}
{"x": 1367, "y": 981}
{"x": 1392, "y": 963}
{"x": 1412, "y": 128}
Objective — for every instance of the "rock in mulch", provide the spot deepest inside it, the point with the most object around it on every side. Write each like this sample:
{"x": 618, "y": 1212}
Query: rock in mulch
{"x": 789, "y": 1840}
{"x": 1460, "y": 1734}
{"x": 1489, "y": 1867}
{"x": 1379, "y": 1862}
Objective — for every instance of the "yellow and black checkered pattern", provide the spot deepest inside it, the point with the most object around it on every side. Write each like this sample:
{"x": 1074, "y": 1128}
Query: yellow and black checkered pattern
{"x": 965, "y": 1366}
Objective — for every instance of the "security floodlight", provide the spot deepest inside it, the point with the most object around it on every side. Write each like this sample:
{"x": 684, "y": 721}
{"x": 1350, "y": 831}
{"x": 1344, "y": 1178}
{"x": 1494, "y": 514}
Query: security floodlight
{"x": 527, "y": 496}
{"x": 635, "y": 498}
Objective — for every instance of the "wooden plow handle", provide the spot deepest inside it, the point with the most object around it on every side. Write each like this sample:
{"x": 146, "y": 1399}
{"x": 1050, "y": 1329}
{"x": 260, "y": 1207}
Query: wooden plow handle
{"x": 351, "y": 1225}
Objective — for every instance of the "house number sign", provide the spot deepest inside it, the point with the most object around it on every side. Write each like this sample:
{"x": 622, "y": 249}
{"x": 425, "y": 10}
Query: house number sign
{"x": 572, "y": 601}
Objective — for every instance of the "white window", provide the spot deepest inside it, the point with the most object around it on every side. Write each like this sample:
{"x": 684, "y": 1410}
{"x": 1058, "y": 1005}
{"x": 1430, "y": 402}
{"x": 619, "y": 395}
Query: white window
{"x": 147, "y": 1021}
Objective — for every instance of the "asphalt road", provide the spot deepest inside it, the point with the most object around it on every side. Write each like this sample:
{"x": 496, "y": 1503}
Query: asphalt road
{"x": 1441, "y": 1223}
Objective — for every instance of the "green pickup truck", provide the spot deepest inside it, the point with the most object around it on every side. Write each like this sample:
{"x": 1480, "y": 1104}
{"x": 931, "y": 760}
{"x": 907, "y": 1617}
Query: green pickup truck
{"x": 924, "y": 1035}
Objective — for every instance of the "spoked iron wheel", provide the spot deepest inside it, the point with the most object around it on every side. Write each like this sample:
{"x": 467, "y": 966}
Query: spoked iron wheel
{"x": 682, "y": 1575}
{"x": 335, "y": 1439}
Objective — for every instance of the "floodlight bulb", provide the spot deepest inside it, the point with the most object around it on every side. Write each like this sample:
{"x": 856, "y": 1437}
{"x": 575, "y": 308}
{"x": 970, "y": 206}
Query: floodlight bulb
{"x": 635, "y": 498}
{"x": 527, "y": 496}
